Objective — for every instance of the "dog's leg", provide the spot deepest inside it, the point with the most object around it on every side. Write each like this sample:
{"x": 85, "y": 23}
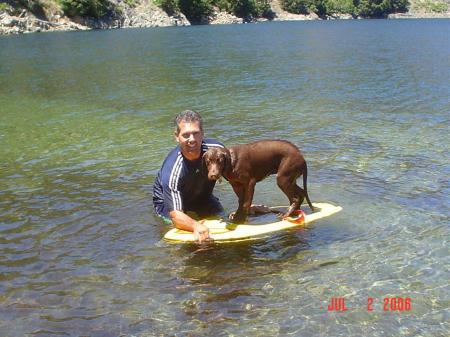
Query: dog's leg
{"x": 238, "y": 215}
{"x": 245, "y": 201}
{"x": 249, "y": 192}
{"x": 287, "y": 185}
{"x": 301, "y": 193}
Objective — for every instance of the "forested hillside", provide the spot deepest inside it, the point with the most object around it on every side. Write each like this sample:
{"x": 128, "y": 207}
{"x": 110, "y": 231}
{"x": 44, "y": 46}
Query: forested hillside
{"x": 17, "y": 16}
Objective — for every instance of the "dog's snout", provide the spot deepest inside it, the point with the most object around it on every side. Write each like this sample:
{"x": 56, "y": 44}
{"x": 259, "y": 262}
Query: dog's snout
{"x": 213, "y": 177}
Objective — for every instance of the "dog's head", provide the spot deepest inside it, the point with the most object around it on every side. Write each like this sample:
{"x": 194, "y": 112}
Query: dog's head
{"x": 217, "y": 160}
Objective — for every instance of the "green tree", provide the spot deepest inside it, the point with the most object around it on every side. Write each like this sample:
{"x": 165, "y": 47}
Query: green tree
{"x": 340, "y": 6}
{"x": 365, "y": 8}
{"x": 196, "y": 11}
{"x": 305, "y": 6}
{"x": 169, "y": 6}
{"x": 400, "y": 5}
{"x": 243, "y": 8}
{"x": 90, "y": 8}
{"x": 295, "y": 6}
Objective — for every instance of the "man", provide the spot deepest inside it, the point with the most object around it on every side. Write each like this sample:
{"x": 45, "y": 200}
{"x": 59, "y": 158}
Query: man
{"x": 181, "y": 184}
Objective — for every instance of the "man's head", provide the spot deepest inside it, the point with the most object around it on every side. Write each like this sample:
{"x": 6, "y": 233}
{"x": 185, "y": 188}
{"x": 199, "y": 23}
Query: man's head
{"x": 189, "y": 133}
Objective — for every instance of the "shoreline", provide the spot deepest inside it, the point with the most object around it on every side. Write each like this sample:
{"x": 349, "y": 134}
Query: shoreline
{"x": 25, "y": 22}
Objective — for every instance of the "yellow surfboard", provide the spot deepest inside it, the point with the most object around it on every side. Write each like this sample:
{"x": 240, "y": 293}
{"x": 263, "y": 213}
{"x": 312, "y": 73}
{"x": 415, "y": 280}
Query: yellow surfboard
{"x": 221, "y": 231}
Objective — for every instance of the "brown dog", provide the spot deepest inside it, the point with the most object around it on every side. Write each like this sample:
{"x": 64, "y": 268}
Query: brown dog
{"x": 244, "y": 165}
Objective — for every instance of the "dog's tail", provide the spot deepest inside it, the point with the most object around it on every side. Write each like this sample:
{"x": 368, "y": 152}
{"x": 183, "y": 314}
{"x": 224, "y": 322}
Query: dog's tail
{"x": 305, "y": 186}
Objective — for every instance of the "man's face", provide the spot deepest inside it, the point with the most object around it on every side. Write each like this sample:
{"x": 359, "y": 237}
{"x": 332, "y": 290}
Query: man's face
{"x": 190, "y": 139}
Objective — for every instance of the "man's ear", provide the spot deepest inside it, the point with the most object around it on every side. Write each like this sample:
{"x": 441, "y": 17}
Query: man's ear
{"x": 175, "y": 134}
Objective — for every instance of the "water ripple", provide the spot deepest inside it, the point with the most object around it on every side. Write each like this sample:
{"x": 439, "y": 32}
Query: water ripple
{"x": 81, "y": 250}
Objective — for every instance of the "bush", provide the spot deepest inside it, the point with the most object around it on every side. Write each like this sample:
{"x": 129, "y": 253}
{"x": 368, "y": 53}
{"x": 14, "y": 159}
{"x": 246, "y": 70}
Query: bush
{"x": 248, "y": 9}
{"x": 341, "y": 6}
{"x": 196, "y": 11}
{"x": 264, "y": 10}
{"x": 431, "y": 6}
{"x": 3, "y": 6}
{"x": 439, "y": 7}
{"x": 169, "y": 6}
{"x": 296, "y": 6}
{"x": 131, "y": 3}
{"x": 374, "y": 8}
{"x": 243, "y": 8}
{"x": 305, "y": 6}
{"x": 223, "y": 5}
{"x": 365, "y": 8}
{"x": 399, "y": 5}
{"x": 90, "y": 8}
{"x": 34, "y": 6}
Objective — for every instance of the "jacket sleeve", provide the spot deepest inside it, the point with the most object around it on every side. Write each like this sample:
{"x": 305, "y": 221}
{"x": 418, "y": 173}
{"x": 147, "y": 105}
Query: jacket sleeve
{"x": 171, "y": 192}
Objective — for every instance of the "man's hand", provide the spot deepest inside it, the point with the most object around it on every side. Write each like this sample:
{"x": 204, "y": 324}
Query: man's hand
{"x": 201, "y": 232}
{"x": 185, "y": 222}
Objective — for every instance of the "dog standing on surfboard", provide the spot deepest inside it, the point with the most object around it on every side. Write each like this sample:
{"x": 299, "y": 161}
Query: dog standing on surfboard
{"x": 245, "y": 165}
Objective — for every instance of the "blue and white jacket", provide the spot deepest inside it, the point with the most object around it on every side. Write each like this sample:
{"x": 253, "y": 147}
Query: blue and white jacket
{"x": 181, "y": 184}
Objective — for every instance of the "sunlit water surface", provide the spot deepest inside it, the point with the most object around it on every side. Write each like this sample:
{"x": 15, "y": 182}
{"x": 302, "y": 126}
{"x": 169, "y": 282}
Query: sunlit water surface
{"x": 86, "y": 122}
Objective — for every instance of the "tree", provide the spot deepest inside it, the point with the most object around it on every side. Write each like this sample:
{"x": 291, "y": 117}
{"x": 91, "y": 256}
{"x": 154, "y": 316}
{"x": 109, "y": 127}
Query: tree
{"x": 196, "y": 11}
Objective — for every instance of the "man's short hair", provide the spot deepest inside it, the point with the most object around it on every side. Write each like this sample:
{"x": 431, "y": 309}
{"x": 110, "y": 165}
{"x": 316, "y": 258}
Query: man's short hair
{"x": 188, "y": 116}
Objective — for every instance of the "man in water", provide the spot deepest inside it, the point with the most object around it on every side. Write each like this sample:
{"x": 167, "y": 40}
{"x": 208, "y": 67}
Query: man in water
{"x": 181, "y": 185}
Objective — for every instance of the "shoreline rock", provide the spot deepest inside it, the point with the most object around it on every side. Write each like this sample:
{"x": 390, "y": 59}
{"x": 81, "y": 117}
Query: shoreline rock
{"x": 223, "y": 18}
{"x": 145, "y": 14}
{"x": 419, "y": 15}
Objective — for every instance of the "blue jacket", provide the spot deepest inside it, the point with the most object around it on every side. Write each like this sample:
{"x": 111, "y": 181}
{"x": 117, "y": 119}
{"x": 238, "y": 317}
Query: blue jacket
{"x": 181, "y": 184}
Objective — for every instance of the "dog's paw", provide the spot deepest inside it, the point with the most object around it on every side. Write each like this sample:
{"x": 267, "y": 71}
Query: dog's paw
{"x": 237, "y": 217}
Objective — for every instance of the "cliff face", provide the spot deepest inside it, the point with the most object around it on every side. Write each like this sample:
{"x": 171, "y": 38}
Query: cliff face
{"x": 143, "y": 13}
{"x": 16, "y": 18}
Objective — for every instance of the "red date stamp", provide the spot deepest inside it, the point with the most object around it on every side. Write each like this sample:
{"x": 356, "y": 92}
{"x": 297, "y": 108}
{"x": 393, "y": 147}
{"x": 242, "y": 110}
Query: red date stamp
{"x": 339, "y": 304}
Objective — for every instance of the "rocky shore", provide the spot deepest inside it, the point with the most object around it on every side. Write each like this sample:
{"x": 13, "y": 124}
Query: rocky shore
{"x": 147, "y": 14}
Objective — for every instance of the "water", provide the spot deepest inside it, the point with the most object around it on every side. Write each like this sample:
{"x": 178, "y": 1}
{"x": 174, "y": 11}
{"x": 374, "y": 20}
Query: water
{"x": 86, "y": 122}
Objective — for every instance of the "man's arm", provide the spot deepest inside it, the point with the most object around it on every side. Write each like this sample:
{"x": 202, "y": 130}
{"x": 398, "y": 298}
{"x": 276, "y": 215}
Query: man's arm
{"x": 185, "y": 222}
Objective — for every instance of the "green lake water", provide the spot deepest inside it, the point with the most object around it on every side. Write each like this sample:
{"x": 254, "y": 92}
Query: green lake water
{"x": 86, "y": 121}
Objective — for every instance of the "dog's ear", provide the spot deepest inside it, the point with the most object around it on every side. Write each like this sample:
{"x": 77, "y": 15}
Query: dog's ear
{"x": 227, "y": 166}
{"x": 203, "y": 168}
